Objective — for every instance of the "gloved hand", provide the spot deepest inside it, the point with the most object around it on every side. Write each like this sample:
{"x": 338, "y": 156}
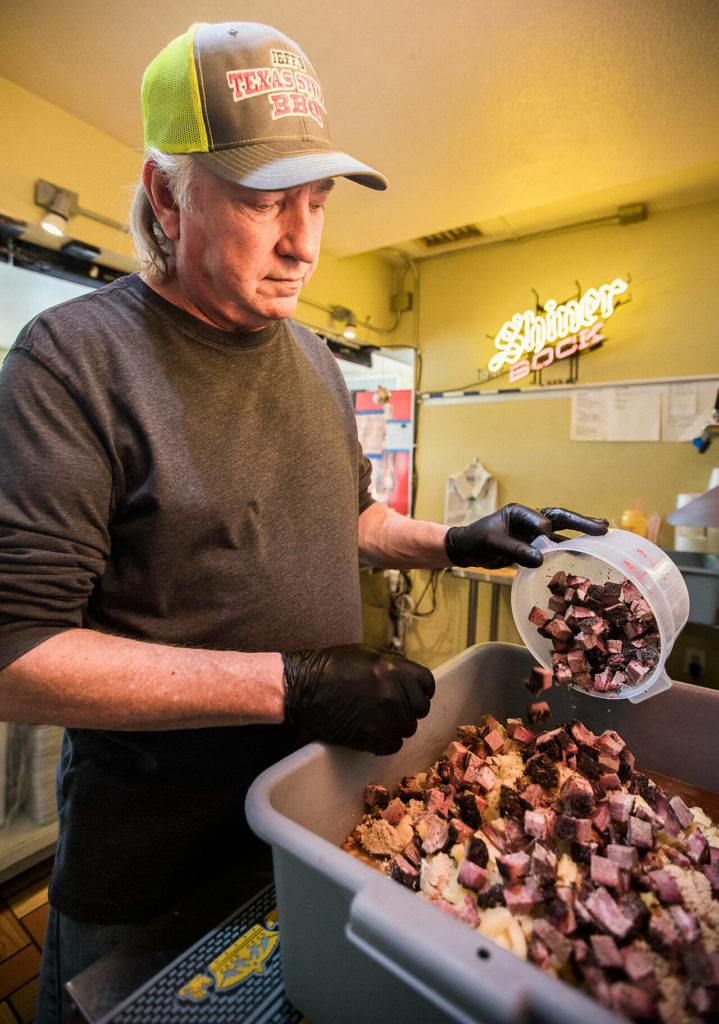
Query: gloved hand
{"x": 357, "y": 696}
{"x": 505, "y": 536}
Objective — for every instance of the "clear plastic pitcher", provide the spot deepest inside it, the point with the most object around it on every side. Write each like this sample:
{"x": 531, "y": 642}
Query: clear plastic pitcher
{"x": 617, "y": 555}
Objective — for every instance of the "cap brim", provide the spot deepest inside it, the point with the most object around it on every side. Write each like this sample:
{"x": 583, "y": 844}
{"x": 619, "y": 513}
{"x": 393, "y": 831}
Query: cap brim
{"x": 249, "y": 166}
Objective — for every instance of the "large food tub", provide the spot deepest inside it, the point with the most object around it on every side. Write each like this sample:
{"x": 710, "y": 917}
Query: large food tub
{"x": 359, "y": 948}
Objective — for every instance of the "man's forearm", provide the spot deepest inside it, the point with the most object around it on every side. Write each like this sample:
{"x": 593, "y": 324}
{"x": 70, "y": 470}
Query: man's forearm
{"x": 89, "y": 680}
{"x": 392, "y": 541}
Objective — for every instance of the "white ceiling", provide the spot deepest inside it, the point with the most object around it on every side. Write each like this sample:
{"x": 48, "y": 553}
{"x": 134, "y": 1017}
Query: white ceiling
{"x": 514, "y": 115}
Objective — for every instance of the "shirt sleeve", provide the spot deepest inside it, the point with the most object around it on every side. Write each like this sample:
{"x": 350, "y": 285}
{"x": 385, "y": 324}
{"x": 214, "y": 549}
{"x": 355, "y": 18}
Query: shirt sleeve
{"x": 365, "y": 480}
{"x": 56, "y": 492}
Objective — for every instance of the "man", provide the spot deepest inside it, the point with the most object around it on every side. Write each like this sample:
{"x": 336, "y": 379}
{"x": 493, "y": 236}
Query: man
{"x": 183, "y": 501}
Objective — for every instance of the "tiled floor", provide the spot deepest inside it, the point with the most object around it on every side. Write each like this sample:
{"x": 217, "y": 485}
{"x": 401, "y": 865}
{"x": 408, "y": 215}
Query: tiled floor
{"x": 23, "y": 915}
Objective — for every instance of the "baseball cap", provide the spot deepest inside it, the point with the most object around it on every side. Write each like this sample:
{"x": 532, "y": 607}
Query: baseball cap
{"x": 245, "y": 101}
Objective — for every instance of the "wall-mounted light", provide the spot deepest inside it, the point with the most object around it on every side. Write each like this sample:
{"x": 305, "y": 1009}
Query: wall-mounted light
{"x": 347, "y": 317}
{"x": 60, "y": 205}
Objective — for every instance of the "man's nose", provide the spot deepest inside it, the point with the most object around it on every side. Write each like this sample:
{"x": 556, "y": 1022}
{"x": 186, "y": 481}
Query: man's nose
{"x": 301, "y": 233}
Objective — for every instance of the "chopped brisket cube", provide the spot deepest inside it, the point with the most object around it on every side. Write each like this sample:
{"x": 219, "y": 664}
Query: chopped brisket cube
{"x": 494, "y": 740}
{"x": 476, "y": 851}
{"x": 553, "y": 939}
{"x": 459, "y": 831}
{"x": 511, "y": 804}
{"x": 558, "y": 583}
{"x": 611, "y": 593}
{"x": 588, "y": 762}
{"x": 544, "y": 863}
{"x": 636, "y": 911}
{"x": 410, "y": 789}
{"x": 540, "y": 823}
{"x": 563, "y": 674}
{"x": 712, "y": 874}
{"x": 641, "y": 784}
{"x": 663, "y": 935}
{"x": 616, "y": 614}
{"x": 537, "y": 953}
{"x": 413, "y": 851}
{"x": 610, "y": 780}
{"x": 639, "y": 833}
{"x": 514, "y": 834}
{"x": 539, "y": 679}
{"x": 697, "y": 847}
{"x": 472, "y": 770}
{"x": 605, "y": 872}
{"x": 521, "y": 734}
{"x": 471, "y": 875}
{"x": 627, "y": 857}
{"x": 560, "y": 913}
{"x": 539, "y": 712}
{"x": 456, "y": 754}
{"x": 681, "y": 810}
{"x": 636, "y": 671}
{"x": 437, "y": 838}
{"x": 492, "y": 897}
{"x": 686, "y": 923}
{"x": 538, "y": 617}
{"x": 607, "y": 913}
{"x": 577, "y": 662}
{"x": 487, "y": 723}
{"x": 577, "y": 797}
{"x": 632, "y": 1001}
{"x": 558, "y": 629}
{"x": 468, "y": 734}
{"x": 541, "y": 770}
{"x": 620, "y": 806}
{"x": 581, "y": 734}
{"x": 633, "y": 629}
{"x": 519, "y": 899}
{"x": 467, "y": 912}
{"x": 486, "y": 778}
{"x": 513, "y": 867}
{"x": 470, "y": 809}
{"x": 376, "y": 796}
{"x": 665, "y": 886}
{"x": 577, "y": 830}
{"x": 394, "y": 811}
{"x": 605, "y": 951}
{"x": 536, "y": 796}
{"x": 638, "y": 966}
{"x": 548, "y": 743}
{"x": 404, "y": 872}
{"x": 582, "y": 852}
{"x": 557, "y": 605}
{"x": 437, "y": 801}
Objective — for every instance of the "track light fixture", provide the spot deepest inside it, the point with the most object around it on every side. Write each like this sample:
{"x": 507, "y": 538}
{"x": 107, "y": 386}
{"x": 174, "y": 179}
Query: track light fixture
{"x": 60, "y": 205}
{"x": 348, "y": 318}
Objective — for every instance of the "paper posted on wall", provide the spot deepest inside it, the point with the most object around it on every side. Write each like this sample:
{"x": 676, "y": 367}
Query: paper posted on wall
{"x": 469, "y": 495}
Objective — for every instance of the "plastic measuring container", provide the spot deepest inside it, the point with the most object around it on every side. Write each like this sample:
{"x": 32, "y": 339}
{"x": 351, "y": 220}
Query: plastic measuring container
{"x": 618, "y": 555}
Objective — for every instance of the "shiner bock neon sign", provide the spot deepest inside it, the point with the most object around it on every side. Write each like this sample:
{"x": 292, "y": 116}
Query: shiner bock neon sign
{"x": 533, "y": 340}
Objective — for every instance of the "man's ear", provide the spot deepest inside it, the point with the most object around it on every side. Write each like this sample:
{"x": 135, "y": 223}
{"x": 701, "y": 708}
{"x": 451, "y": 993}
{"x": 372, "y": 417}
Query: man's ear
{"x": 161, "y": 200}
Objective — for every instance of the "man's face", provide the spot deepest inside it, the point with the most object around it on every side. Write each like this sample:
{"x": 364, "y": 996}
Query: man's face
{"x": 242, "y": 256}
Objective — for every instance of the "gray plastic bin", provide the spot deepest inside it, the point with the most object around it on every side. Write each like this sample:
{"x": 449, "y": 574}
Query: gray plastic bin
{"x": 357, "y": 948}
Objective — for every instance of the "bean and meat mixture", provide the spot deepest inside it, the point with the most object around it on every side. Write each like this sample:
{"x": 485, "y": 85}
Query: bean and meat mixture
{"x": 553, "y": 844}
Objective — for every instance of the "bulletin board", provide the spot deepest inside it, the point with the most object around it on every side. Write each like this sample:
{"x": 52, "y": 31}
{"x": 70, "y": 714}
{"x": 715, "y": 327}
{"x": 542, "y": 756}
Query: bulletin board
{"x": 386, "y": 432}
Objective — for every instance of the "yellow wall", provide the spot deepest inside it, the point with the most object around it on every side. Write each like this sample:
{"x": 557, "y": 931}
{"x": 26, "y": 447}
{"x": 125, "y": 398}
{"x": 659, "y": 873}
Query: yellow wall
{"x": 668, "y": 329}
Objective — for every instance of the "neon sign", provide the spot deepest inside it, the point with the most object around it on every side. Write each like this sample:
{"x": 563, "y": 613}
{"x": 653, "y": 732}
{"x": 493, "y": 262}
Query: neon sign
{"x": 533, "y": 340}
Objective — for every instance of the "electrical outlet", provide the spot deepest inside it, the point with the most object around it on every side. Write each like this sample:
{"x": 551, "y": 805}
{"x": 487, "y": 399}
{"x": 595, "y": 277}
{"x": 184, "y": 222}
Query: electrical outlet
{"x": 694, "y": 664}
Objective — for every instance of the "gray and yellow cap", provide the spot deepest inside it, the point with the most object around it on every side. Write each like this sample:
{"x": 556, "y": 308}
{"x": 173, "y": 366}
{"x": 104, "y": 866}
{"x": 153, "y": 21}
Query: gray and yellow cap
{"x": 245, "y": 101}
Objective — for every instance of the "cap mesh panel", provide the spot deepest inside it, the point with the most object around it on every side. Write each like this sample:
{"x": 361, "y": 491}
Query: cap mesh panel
{"x": 171, "y": 109}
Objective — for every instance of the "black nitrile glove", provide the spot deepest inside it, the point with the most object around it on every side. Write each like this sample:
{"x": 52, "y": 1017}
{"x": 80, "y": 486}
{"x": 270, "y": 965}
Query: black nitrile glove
{"x": 505, "y": 536}
{"x": 357, "y": 696}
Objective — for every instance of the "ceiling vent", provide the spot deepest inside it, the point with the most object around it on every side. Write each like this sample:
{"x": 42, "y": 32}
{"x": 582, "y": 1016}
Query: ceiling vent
{"x": 451, "y": 236}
